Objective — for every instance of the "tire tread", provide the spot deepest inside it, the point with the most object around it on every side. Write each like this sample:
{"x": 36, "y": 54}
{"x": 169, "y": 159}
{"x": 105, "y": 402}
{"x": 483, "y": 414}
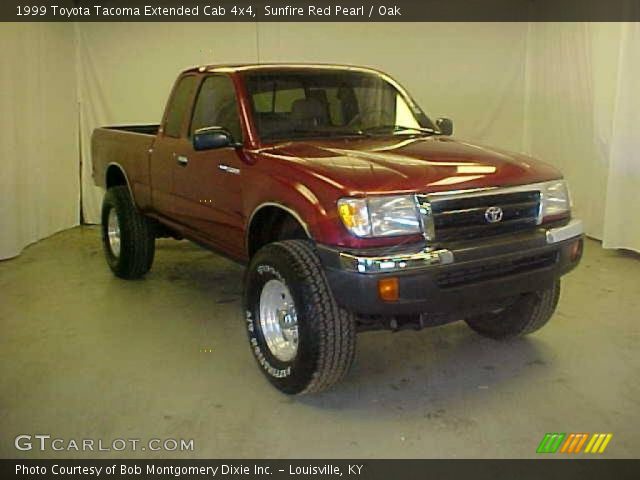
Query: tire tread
{"x": 335, "y": 326}
{"x": 137, "y": 245}
{"x": 528, "y": 314}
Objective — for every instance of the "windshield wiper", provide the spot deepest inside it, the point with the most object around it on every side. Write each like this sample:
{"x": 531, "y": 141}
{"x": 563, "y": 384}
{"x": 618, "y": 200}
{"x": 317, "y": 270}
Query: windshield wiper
{"x": 398, "y": 128}
{"x": 329, "y": 133}
{"x": 346, "y": 133}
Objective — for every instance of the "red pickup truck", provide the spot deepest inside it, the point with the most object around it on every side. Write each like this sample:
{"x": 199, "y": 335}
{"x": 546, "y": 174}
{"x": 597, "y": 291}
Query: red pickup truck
{"x": 353, "y": 210}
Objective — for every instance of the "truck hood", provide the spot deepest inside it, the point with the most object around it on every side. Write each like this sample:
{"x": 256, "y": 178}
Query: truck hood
{"x": 401, "y": 164}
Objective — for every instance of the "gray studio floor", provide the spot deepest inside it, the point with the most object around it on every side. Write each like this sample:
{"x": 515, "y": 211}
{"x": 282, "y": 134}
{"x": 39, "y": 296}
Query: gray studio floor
{"x": 85, "y": 355}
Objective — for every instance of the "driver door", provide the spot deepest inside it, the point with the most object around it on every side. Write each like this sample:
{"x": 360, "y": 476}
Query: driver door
{"x": 207, "y": 183}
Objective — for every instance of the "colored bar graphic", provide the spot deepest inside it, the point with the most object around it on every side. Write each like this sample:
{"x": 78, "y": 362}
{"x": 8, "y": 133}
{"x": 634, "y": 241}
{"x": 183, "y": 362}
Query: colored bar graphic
{"x": 573, "y": 443}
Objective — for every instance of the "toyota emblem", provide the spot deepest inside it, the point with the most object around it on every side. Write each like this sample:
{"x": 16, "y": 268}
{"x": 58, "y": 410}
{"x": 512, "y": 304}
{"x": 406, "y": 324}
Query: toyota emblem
{"x": 493, "y": 214}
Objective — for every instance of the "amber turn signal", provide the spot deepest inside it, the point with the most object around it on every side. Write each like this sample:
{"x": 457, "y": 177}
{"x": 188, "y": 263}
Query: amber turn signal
{"x": 576, "y": 250}
{"x": 388, "y": 289}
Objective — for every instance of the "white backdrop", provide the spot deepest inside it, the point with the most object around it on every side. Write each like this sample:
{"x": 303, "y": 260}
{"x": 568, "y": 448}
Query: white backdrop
{"x": 580, "y": 110}
{"x": 39, "y": 179}
{"x": 621, "y": 228}
{"x": 564, "y": 92}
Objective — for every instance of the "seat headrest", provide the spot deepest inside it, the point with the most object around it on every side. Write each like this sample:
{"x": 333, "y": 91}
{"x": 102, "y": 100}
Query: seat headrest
{"x": 306, "y": 109}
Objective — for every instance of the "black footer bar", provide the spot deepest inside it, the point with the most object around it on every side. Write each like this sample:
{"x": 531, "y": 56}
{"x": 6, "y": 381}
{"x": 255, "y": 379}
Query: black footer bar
{"x": 545, "y": 468}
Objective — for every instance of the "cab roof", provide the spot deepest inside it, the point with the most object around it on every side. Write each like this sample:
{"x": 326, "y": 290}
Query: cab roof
{"x": 243, "y": 67}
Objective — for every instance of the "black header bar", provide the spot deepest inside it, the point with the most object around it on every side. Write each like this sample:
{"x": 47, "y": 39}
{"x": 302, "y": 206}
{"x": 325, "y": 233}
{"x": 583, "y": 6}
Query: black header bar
{"x": 319, "y": 10}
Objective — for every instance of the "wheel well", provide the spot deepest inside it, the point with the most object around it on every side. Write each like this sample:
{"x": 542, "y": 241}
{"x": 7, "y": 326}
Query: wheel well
{"x": 271, "y": 224}
{"x": 115, "y": 177}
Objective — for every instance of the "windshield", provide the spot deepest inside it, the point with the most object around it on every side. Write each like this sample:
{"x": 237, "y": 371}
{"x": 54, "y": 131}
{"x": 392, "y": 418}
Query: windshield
{"x": 293, "y": 104}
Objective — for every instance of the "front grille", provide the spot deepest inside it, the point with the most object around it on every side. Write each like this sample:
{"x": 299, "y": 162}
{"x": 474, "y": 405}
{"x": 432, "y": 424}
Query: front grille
{"x": 465, "y": 276}
{"x": 464, "y": 217}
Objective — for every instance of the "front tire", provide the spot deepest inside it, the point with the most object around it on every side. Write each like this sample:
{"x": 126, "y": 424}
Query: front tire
{"x": 302, "y": 340}
{"x": 128, "y": 237}
{"x": 527, "y": 314}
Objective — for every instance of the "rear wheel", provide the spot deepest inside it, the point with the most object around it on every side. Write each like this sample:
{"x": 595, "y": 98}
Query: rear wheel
{"x": 127, "y": 236}
{"x": 302, "y": 340}
{"x": 528, "y": 313}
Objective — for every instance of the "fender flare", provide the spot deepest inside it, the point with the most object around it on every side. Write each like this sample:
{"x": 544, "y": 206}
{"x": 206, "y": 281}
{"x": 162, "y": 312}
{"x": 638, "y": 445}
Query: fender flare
{"x": 282, "y": 207}
{"x": 124, "y": 174}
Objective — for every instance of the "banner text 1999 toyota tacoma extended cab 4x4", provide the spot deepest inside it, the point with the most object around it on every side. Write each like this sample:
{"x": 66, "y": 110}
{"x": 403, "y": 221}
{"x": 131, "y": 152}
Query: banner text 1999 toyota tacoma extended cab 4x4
{"x": 353, "y": 210}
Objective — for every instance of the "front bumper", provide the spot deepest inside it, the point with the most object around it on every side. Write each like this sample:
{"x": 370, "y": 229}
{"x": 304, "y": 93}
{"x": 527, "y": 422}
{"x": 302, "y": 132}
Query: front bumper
{"x": 461, "y": 277}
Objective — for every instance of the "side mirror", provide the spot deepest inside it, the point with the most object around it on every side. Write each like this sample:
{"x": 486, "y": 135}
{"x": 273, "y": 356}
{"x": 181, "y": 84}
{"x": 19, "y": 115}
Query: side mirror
{"x": 212, "y": 137}
{"x": 445, "y": 126}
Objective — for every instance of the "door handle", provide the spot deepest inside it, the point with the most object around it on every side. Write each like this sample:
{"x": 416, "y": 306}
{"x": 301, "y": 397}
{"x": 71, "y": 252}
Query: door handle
{"x": 182, "y": 160}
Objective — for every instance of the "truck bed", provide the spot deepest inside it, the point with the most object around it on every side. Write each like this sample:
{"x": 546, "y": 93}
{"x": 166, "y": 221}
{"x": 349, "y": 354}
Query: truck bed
{"x": 141, "y": 129}
{"x": 127, "y": 147}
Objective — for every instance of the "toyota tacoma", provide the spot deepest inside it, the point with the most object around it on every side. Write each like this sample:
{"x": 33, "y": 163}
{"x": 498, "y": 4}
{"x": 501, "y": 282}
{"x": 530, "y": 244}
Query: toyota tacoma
{"x": 351, "y": 208}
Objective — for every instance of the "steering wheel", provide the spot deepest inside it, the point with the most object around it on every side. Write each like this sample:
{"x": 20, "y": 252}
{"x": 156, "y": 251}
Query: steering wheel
{"x": 364, "y": 114}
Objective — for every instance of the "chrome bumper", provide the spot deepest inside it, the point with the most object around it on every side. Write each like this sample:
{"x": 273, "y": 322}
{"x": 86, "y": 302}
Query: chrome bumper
{"x": 570, "y": 230}
{"x": 427, "y": 257}
{"x": 395, "y": 263}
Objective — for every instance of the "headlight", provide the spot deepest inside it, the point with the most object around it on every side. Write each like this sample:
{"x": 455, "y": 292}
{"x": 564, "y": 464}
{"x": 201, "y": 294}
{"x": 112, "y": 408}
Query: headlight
{"x": 382, "y": 216}
{"x": 555, "y": 201}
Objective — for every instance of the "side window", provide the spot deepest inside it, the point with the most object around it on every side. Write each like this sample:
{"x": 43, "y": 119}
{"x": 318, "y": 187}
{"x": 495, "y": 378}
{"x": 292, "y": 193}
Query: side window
{"x": 179, "y": 106}
{"x": 216, "y": 106}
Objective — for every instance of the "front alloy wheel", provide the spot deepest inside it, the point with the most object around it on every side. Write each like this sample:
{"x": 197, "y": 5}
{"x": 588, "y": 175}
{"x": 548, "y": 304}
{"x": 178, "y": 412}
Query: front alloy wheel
{"x": 278, "y": 320}
{"x": 302, "y": 340}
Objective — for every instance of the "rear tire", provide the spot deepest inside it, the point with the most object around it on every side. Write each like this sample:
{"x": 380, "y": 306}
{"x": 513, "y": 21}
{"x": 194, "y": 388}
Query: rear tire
{"x": 128, "y": 237}
{"x": 316, "y": 343}
{"x": 530, "y": 312}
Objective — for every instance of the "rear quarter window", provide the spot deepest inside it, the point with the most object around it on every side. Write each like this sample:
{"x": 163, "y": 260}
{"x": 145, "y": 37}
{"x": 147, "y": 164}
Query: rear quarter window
{"x": 179, "y": 105}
